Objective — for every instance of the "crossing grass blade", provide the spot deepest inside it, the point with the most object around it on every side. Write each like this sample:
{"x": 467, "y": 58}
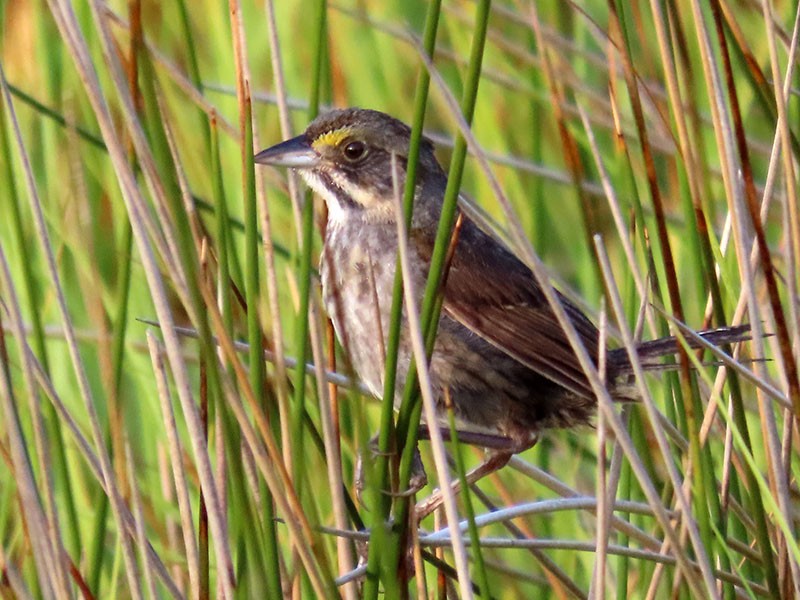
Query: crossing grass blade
{"x": 647, "y": 153}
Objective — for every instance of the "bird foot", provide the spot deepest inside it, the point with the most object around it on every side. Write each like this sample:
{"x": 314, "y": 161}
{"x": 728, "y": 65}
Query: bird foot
{"x": 495, "y": 460}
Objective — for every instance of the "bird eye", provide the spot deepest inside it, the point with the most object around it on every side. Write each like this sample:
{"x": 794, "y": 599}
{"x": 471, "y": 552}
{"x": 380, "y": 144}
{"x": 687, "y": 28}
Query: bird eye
{"x": 355, "y": 150}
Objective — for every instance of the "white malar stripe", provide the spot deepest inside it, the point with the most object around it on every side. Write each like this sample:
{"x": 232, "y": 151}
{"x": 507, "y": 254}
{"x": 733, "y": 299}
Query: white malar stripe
{"x": 373, "y": 209}
{"x": 335, "y": 210}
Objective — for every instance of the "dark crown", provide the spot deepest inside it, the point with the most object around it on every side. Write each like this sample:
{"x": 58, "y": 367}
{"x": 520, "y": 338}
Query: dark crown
{"x": 375, "y": 128}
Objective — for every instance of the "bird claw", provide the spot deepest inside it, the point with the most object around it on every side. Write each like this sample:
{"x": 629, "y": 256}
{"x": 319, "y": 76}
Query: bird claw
{"x": 417, "y": 480}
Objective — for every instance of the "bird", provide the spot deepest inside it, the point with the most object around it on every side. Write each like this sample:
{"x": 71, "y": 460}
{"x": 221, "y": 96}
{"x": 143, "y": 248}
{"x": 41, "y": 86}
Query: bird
{"x": 500, "y": 356}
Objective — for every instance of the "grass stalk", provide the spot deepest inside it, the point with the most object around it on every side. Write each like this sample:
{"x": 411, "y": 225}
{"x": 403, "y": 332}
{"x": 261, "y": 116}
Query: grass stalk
{"x": 387, "y": 439}
{"x": 132, "y": 199}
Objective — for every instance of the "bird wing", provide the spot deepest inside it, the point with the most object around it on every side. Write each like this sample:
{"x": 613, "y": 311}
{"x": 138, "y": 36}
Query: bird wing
{"x": 494, "y": 295}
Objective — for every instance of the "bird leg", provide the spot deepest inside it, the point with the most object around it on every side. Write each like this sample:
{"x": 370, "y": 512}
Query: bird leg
{"x": 495, "y": 461}
{"x": 503, "y": 449}
{"x": 419, "y": 478}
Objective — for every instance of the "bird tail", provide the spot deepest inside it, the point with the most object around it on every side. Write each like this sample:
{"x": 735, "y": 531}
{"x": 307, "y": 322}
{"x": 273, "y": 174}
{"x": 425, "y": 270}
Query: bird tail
{"x": 650, "y": 353}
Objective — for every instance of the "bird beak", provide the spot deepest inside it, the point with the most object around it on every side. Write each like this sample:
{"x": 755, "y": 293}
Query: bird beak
{"x": 295, "y": 153}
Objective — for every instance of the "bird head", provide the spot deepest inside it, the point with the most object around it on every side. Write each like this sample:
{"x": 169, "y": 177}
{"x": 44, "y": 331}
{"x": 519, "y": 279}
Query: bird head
{"x": 346, "y": 157}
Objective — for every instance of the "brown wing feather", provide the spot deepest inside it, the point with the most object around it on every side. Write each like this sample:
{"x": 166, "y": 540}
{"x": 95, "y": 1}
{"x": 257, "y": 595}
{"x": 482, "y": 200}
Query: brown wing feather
{"x": 494, "y": 295}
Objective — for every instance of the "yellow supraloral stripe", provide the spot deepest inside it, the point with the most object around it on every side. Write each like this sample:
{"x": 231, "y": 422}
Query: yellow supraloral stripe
{"x": 331, "y": 138}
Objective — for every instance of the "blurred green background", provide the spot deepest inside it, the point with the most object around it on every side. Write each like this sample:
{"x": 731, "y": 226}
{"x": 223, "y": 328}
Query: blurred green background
{"x": 181, "y": 132}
